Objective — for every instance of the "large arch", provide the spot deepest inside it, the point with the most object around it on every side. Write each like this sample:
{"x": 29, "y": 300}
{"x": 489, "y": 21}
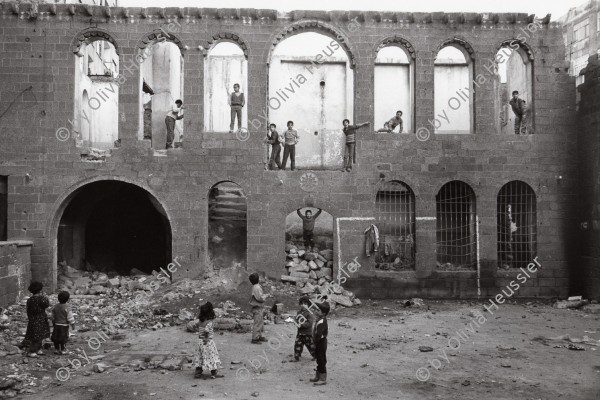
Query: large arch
{"x": 317, "y": 27}
{"x": 87, "y": 36}
{"x": 61, "y": 209}
{"x": 311, "y": 82}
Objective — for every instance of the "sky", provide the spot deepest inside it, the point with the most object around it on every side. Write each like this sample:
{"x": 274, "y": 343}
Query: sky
{"x": 538, "y": 7}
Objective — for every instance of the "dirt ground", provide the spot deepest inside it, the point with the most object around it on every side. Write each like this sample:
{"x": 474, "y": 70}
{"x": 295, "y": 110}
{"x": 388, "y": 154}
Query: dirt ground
{"x": 373, "y": 354}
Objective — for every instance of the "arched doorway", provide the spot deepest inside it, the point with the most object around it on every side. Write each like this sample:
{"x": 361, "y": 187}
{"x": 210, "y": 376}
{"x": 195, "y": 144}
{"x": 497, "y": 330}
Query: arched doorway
{"x": 309, "y": 246}
{"x": 113, "y": 227}
{"x": 227, "y": 226}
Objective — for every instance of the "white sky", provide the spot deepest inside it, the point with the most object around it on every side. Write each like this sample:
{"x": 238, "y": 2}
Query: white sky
{"x": 538, "y": 7}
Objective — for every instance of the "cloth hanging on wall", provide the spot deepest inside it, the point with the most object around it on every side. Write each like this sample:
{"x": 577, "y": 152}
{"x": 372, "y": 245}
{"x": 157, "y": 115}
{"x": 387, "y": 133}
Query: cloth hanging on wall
{"x": 372, "y": 240}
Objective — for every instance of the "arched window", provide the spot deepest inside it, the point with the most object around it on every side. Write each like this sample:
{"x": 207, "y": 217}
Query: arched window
{"x": 97, "y": 94}
{"x": 517, "y": 225}
{"x": 456, "y": 227}
{"x": 453, "y": 94}
{"x": 395, "y": 205}
{"x": 514, "y": 73}
{"x": 225, "y": 66}
{"x": 393, "y": 87}
{"x": 311, "y": 83}
{"x": 161, "y": 83}
{"x": 227, "y": 226}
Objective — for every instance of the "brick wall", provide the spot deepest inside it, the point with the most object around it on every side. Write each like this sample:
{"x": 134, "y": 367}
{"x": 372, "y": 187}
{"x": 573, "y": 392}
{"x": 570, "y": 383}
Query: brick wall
{"x": 15, "y": 270}
{"x": 36, "y": 50}
{"x": 588, "y": 269}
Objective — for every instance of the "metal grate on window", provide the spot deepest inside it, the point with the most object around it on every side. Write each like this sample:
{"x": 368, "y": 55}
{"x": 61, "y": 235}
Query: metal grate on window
{"x": 456, "y": 237}
{"x": 517, "y": 225}
{"x": 395, "y": 205}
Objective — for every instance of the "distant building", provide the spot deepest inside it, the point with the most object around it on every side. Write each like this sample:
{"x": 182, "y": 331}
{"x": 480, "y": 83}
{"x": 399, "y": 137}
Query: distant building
{"x": 581, "y": 31}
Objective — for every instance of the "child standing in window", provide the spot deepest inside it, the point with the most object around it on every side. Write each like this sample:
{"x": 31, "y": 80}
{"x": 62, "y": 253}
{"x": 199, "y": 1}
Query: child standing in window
{"x": 289, "y": 149}
{"x": 236, "y": 102}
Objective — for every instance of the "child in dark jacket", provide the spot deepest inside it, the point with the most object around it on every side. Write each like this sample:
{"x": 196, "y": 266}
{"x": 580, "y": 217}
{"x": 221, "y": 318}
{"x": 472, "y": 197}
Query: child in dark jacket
{"x": 320, "y": 340}
{"x": 62, "y": 317}
{"x": 304, "y": 322}
{"x": 37, "y": 326}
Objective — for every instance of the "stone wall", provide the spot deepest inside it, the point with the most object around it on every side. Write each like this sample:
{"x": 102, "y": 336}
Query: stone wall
{"x": 587, "y": 271}
{"x": 15, "y": 270}
{"x": 37, "y": 61}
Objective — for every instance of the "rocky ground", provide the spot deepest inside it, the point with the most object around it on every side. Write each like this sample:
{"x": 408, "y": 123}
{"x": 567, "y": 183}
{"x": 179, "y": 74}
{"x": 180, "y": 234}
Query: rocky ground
{"x": 379, "y": 350}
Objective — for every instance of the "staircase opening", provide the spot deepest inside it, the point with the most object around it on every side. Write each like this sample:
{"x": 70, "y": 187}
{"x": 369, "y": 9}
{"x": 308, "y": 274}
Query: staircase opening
{"x": 227, "y": 226}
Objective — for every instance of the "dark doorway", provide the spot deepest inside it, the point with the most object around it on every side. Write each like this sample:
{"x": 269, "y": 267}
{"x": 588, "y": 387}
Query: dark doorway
{"x": 113, "y": 226}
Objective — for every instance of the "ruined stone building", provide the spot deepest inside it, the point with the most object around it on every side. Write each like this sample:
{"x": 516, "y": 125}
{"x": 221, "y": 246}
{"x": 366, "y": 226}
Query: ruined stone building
{"x": 461, "y": 202}
{"x": 581, "y": 32}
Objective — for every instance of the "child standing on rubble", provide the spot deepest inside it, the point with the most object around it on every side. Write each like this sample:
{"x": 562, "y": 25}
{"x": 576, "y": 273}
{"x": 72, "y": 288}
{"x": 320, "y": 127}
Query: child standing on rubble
{"x": 304, "y": 322}
{"x": 207, "y": 356}
{"x": 37, "y": 326}
{"x": 62, "y": 317}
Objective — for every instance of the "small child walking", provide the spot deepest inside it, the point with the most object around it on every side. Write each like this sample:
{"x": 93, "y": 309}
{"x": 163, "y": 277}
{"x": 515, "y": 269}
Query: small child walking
{"x": 304, "y": 322}
{"x": 320, "y": 339}
{"x": 207, "y": 356}
{"x": 256, "y": 302}
{"x": 62, "y": 317}
{"x": 37, "y": 326}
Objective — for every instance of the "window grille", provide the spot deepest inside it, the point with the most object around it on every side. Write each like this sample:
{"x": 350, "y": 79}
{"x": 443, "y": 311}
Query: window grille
{"x": 517, "y": 225}
{"x": 395, "y": 205}
{"x": 456, "y": 242}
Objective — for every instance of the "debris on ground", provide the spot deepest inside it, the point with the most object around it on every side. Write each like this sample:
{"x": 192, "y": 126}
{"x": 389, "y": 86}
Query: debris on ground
{"x": 415, "y": 302}
{"x": 585, "y": 340}
{"x": 573, "y": 303}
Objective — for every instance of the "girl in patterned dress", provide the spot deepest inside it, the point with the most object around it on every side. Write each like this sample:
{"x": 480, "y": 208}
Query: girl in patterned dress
{"x": 207, "y": 356}
{"x": 37, "y": 326}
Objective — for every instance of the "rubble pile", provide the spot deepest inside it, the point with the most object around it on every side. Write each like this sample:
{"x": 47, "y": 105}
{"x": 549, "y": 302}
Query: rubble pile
{"x": 312, "y": 273}
{"x": 304, "y": 267}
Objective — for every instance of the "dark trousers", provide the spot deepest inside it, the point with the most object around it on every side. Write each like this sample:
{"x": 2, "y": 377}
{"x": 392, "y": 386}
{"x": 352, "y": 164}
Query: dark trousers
{"x": 301, "y": 341}
{"x": 321, "y": 355}
{"x": 236, "y": 111}
{"x": 308, "y": 239}
{"x": 275, "y": 157}
{"x": 520, "y": 124}
{"x": 349, "y": 155}
{"x": 289, "y": 150}
{"x": 170, "y": 122}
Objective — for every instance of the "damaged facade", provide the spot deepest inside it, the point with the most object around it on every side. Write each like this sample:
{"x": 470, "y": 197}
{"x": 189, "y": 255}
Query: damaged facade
{"x": 440, "y": 203}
